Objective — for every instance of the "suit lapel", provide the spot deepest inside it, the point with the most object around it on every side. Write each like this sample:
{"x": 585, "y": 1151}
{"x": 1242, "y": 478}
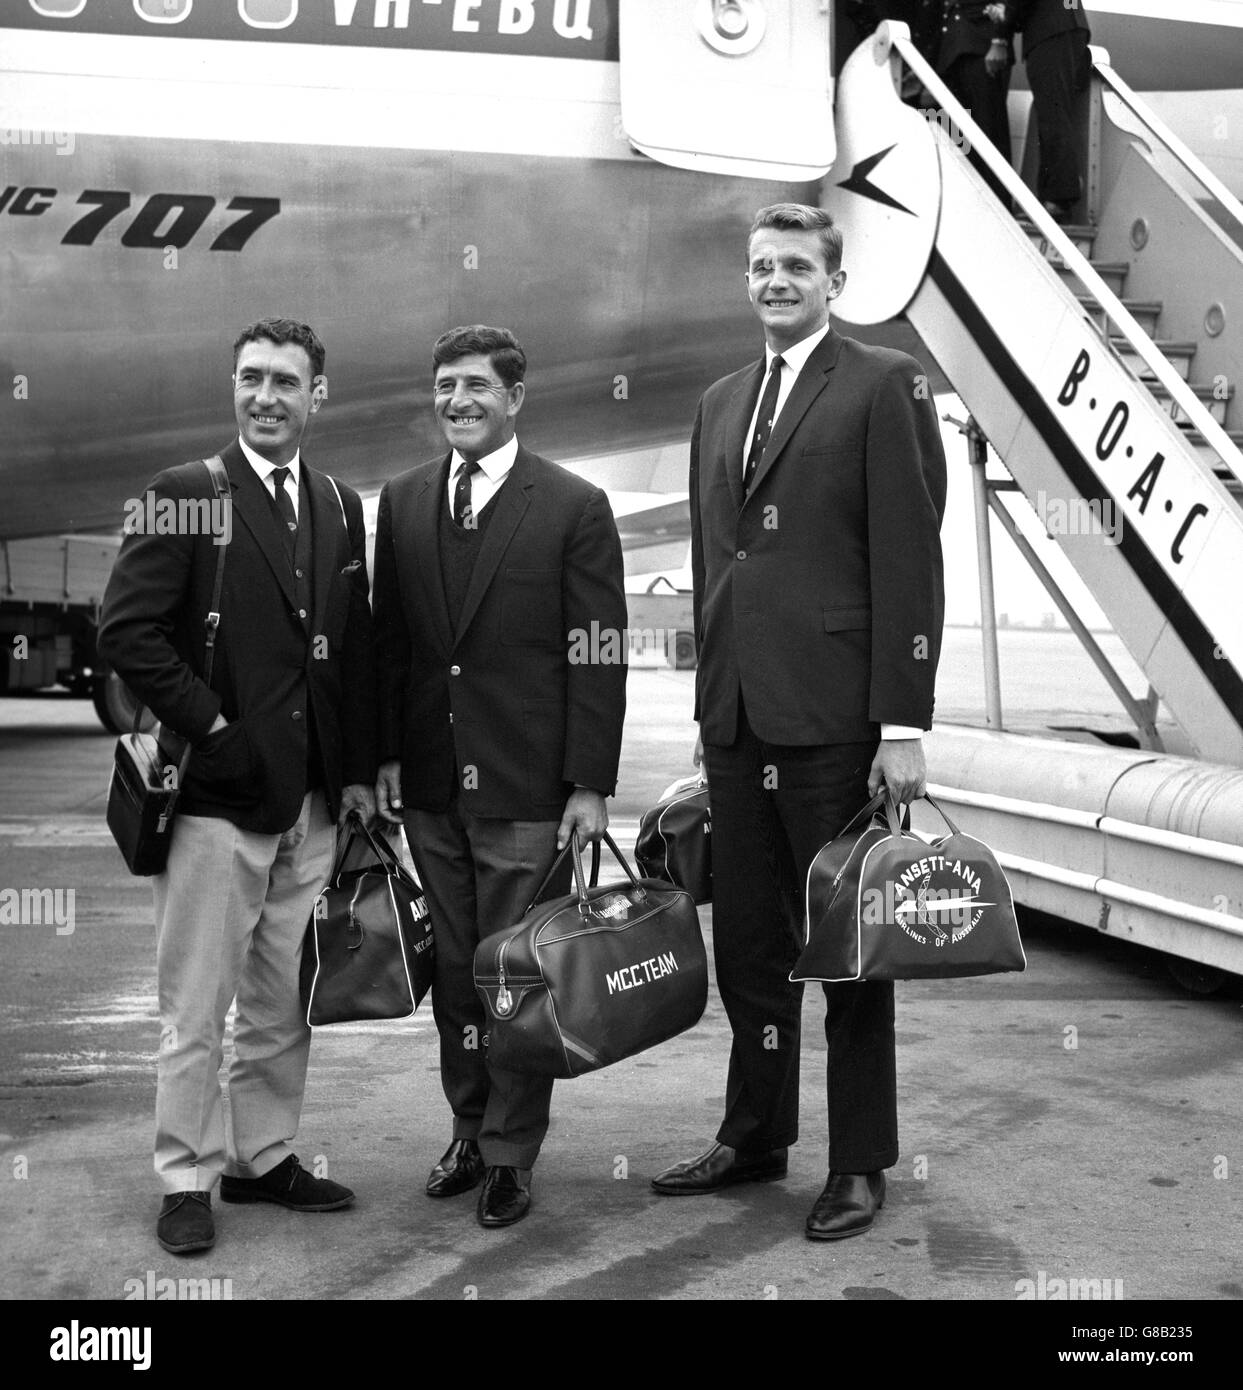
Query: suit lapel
{"x": 252, "y": 506}
{"x": 327, "y": 523}
{"x": 812, "y": 380}
{"x": 741, "y": 408}
{"x": 511, "y": 504}
{"x": 425, "y": 542}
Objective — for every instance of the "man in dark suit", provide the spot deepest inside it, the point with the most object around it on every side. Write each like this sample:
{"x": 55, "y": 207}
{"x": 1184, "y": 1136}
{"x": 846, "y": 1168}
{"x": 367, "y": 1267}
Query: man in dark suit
{"x": 493, "y": 569}
{"x": 1055, "y": 53}
{"x": 286, "y": 723}
{"x": 816, "y": 490}
{"x": 973, "y": 55}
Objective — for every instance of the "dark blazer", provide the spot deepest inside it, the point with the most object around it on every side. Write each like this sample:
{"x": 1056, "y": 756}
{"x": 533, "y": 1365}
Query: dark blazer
{"x": 500, "y": 708}
{"x": 274, "y": 671}
{"x": 966, "y": 29}
{"x": 1038, "y": 20}
{"x": 820, "y": 596}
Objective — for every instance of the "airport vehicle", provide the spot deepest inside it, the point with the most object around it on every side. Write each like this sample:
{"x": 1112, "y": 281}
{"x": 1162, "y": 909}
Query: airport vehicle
{"x": 177, "y": 168}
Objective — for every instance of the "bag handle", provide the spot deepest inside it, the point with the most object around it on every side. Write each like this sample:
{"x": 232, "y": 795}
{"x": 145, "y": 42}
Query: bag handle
{"x": 378, "y": 845}
{"x": 578, "y": 868}
{"x": 891, "y": 812}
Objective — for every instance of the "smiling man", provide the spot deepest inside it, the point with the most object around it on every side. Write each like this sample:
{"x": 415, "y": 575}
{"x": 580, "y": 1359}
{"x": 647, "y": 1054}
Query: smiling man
{"x": 817, "y": 486}
{"x": 283, "y": 743}
{"x": 495, "y": 745}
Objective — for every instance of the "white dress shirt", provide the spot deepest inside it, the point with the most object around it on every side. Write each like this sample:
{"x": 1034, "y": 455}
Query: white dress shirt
{"x": 793, "y": 360}
{"x": 484, "y": 484}
{"x": 264, "y": 468}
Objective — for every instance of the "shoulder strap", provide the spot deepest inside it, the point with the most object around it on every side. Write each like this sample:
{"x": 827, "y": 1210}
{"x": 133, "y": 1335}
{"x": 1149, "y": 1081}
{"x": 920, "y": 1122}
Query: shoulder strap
{"x": 220, "y": 485}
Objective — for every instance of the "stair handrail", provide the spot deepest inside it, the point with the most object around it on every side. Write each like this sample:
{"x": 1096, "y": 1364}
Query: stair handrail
{"x": 894, "y": 34}
{"x": 1155, "y": 126}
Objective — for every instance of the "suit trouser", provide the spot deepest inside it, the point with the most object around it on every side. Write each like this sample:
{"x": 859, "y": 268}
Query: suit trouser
{"x": 985, "y": 98}
{"x": 773, "y": 807}
{"x": 231, "y": 910}
{"x": 479, "y": 876}
{"x": 1057, "y": 71}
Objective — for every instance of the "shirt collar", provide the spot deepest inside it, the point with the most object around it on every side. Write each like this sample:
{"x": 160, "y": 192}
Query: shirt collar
{"x": 796, "y": 357}
{"x": 263, "y": 467}
{"x": 495, "y": 465}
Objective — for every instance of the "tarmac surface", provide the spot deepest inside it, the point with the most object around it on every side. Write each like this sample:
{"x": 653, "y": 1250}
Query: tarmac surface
{"x": 1080, "y": 1121}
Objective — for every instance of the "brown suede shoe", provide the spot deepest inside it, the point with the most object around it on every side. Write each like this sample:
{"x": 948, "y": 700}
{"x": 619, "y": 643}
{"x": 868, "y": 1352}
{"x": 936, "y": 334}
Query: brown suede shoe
{"x": 185, "y": 1223}
{"x": 288, "y": 1185}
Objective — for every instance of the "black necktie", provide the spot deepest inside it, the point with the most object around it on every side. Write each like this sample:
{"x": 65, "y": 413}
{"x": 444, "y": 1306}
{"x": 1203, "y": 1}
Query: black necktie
{"x": 285, "y": 507}
{"x": 763, "y": 423}
{"x": 463, "y": 512}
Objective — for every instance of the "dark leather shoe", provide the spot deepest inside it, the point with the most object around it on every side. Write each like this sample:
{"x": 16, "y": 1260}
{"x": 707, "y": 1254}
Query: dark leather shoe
{"x": 847, "y": 1206}
{"x": 288, "y": 1185}
{"x": 720, "y": 1167}
{"x": 459, "y": 1170}
{"x": 185, "y": 1223}
{"x": 506, "y": 1197}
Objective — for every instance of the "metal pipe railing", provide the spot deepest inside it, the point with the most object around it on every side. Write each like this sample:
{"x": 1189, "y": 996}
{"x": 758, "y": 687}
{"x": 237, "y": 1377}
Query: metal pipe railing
{"x": 1154, "y": 125}
{"x": 894, "y": 35}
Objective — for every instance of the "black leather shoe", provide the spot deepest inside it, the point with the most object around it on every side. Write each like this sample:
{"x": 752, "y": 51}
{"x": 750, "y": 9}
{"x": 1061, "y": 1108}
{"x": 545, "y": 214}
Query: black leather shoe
{"x": 720, "y": 1167}
{"x": 459, "y": 1170}
{"x": 847, "y": 1206}
{"x": 288, "y": 1185}
{"x": 506, "y": 1197}
{"x": 185, "y": 1223}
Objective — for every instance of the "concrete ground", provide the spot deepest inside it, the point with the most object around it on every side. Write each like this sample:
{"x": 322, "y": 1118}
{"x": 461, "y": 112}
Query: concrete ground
{"x": 1083, "y": 1120}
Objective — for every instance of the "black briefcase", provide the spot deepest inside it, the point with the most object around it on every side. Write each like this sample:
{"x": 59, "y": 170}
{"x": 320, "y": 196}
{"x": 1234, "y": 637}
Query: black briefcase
{"x": 142, "y": 797}
{"x": 147, "y": 771}
{"x": 585, "y": 980}
{"x": 368, "y": 951}
{"x": 675, "y": 839}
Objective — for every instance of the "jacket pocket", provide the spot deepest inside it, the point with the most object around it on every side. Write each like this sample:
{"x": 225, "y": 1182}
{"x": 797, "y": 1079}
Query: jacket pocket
{"x": 531, "y": 609}
{"x": 224, "y": 758}
{"x": 847, "y": 619}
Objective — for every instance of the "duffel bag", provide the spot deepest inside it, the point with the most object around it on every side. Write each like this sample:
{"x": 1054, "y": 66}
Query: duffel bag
{"x": 884, "y": 904}
{"x": 368, "y": 952}
{"x": 587, "y": 979}
{"x": 675, "y": 839}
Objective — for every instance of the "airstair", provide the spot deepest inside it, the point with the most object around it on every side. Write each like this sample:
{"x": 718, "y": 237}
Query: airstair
{"x": 1099, "y": 361}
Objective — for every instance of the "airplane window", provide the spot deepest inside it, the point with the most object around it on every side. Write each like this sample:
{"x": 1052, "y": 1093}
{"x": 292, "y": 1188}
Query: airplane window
{"x": 268, "y": 14}
{"x": 58, "y": 9}
{"x": 163, "y": 11}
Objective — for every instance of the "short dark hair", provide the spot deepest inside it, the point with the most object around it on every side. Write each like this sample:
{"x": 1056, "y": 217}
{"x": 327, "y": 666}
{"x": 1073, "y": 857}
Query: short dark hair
{"x": 800, "y": 217}
{"x": 498, "y": 345}
{"x": 281, "y": 331}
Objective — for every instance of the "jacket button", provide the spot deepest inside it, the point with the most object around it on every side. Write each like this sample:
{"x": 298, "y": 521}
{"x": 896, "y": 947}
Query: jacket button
{"x": 455, "y": 670}
{"x": 741, "y": 555}
{"x": 298, "y": 573}
{"x": 297, "y": 714}
{"x": 302, "y": 612}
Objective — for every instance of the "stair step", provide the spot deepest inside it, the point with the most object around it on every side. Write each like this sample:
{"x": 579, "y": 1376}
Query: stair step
{"x": 1178, "y": 354}
{"x": 1081, "y": 236}
{"x": 1214, "y": 401}
{"x": 1145, "y": 312}
{"x": 1209, "y": 455}
{"x": 1113, "y": 273}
